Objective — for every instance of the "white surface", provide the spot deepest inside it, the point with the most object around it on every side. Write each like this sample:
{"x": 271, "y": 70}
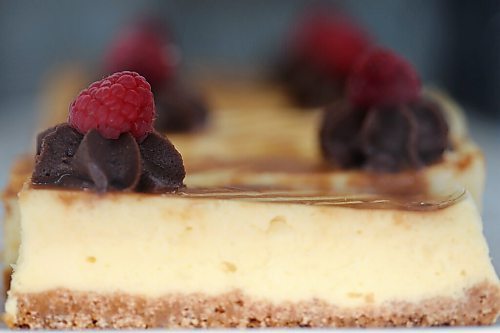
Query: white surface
{"x": 18, "y": 118}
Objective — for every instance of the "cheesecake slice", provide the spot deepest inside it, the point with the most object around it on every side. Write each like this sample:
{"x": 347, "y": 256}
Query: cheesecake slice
{"x": 284, "y": 154}
{"x": 239, "y": 258}
{"x": 113, "y": 235}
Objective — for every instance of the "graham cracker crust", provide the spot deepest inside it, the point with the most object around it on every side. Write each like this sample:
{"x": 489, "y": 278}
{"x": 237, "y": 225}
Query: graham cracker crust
{"x": 63, "y": 309}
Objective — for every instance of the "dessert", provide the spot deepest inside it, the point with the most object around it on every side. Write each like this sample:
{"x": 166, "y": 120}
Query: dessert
{"x": 318, "y": 57}
{"x": 385, "y": 124}
{"x": 136, "y": 248}
{"x": 226, "y": 260}
{"x": 108, "y": 143}
{"x": 238, "y": 149}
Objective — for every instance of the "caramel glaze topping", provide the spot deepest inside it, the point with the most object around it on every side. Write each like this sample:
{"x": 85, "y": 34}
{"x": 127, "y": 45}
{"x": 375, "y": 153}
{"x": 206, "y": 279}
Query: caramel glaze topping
{"x": 410, "y": 202}
{"x": 273, "y": 195}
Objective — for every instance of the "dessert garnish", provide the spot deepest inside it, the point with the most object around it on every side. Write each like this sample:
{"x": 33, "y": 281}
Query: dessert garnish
{"x": 321, "y": 52}
{"x": 146, "y": 48}
{"x": 120, "y": 103}
{"x": 109, "y": 143}
{"x": 385, "y": 124}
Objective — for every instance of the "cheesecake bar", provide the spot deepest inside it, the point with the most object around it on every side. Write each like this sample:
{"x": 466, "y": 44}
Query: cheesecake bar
{"x": 287, "y": 157}
{"x": 240, "y": 258}
{"x": 112, "y": 235}
{"x": 285, "y": 153}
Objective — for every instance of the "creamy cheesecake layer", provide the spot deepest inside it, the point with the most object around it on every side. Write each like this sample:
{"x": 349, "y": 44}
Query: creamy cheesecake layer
{"x": 464, "y": 166}
{"x": 255, "y": 138}
{"x": 151, "y": 246}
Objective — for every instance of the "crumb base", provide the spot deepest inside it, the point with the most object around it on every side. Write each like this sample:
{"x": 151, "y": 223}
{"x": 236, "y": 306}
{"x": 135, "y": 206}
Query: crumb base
{"x": 63, "y": 309}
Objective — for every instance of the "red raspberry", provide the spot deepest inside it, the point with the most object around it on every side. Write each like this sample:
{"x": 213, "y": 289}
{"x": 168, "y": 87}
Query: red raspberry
{"x": 144, "y": 49}
{"x": 382, "y": 78}
{"x": 120, "y": 103}
{"x": 331, "y": 41}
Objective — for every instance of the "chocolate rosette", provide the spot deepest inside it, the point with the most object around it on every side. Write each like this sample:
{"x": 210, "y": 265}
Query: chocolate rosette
{"x": 385, "y": 125}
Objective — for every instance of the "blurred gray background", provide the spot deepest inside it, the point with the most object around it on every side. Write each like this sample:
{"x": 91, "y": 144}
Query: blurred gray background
{"x": 453, "y": 43}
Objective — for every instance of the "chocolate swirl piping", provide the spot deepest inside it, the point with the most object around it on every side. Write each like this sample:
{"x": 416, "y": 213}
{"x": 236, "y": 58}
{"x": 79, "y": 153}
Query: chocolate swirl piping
{"x": 108, "y": 164}
{"x": 388, "y": 139}
{"x": 65, "y": 158}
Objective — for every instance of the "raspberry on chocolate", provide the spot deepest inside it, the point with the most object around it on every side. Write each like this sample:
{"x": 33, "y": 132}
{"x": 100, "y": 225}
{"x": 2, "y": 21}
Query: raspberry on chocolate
{"x": 109, "y": 143}
{"x": 385, "y": 126}
{"x": 382, "y": 78}
{"x": 120, "y": 103}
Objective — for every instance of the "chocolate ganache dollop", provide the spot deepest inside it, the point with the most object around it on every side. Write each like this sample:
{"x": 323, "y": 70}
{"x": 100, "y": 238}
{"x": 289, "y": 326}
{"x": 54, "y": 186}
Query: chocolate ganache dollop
{"x": 108, "y": 143}
{"x": 66, "y": 158}
{"x": 385, "y": 125}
